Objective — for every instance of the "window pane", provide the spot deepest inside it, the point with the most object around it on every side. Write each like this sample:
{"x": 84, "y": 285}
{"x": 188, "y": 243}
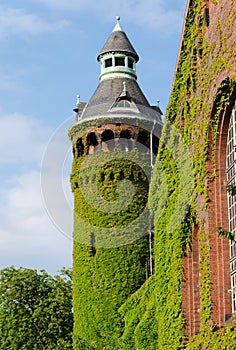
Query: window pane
{"x": 119, "y": 61}
{"x": 130, "y": 63}
{"x": 231, "y": 180}
{"x": 108, "y": 62}
{"x": 123, "y": 104}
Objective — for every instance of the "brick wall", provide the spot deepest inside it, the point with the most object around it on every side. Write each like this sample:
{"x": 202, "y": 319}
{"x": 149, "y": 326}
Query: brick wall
{"x": 217, "y": 213}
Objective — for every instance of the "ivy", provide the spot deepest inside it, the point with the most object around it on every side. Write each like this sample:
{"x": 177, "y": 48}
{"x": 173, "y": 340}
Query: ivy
{"x": 111, "y": 247}
{"x": 222, "y": 233}
{"x": 231, "y": 188}
{"x": 223, "y": 339}
{"x": 159, "y": 301}
{"x": 114, "y": 306}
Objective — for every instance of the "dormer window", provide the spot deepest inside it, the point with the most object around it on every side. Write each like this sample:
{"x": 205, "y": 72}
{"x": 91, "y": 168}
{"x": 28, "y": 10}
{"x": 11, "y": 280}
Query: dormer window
{"x": 124, "y": 101}
{"x": 108, "y": 62}
{"x": 120, "y": 61}
{"x": 123, "y": 104}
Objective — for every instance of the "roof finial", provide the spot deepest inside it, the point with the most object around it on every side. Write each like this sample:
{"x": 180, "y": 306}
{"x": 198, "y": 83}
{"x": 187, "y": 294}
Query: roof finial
{"x": 78, "y": 99}
{"x": 158, "y": 102}
{"x": 124, "y": 86}
{"x": 118, "y": 27}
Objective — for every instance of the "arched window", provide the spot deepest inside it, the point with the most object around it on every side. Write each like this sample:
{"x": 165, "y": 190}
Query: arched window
{"x": 123, "y": 103}
{"x": 155, "y": 144}
{"x": 108, "y": 143}
{"x": 231, "y": 182}
{"x": 79, "y": 147}
{"x": 125, "y": 143}
{"x": 143, "y": 139}
{"x": 91, "y": 142}
{"x": 125, "y": 134}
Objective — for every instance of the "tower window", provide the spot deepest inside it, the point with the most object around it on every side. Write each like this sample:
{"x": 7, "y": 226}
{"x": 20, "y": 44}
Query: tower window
{"x": 125, "y": 143}
{"x": 143, "y": 139}
{"x": 79, "y": 147}
{"x": 155, "y": 144}
{"x": 125, "y": 134}
{"x": 107, "y": 135}
{"x": 130, "y": 63}
{"x": 92, "y": 139}
{"x": 108, "y": 63}
{"x": 91, "y": 142}
{"x": 119, "y": 61}
{"x": 92, "y": 242}
{"x": 108, "y": 143}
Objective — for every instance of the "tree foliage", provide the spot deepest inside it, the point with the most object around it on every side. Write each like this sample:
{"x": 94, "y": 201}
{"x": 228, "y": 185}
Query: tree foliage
{"x": 35, "y": 310}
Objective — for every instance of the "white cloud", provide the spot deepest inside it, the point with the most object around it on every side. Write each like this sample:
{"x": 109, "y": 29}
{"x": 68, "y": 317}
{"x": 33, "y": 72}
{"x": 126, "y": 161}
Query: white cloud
{"x": 27, "y": 235}
{"x": 22, "y": 139}
{"x": 153, "y": 15}
{"x": 18, "y": 22}
{"x": 72, "y": 4}
{"x": 160, "y": 15}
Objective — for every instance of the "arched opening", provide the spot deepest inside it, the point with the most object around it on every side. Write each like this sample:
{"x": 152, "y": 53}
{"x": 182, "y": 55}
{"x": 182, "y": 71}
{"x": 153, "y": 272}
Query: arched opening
{"x": 155, "y": 144}
{"x": 125, "y": 134}
{"x": 91, "y": 142}
{"x": 79, "y": 147}
{"x": 124, "y": 142}
{"x": 143, "y": 141}
{"x": 108, "y": 143}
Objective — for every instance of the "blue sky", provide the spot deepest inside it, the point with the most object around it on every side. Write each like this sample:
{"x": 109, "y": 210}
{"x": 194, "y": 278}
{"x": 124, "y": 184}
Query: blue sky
{"x": 48, "y": 51}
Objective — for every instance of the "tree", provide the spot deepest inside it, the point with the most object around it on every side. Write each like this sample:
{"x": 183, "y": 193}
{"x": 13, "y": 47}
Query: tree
{"x": 35, "y": 310}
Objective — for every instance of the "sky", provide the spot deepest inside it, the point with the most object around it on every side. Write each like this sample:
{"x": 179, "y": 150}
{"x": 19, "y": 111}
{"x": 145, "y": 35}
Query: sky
{"x": 48, "y": 51}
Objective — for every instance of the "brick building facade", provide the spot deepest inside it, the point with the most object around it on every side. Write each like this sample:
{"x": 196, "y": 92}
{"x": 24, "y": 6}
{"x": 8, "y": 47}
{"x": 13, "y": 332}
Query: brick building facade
{"x": 209, "y": 29}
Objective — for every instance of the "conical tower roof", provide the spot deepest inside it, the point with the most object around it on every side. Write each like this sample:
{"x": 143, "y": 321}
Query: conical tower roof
{"x": 118, "y": 82}
{"x": 118, "y": 42}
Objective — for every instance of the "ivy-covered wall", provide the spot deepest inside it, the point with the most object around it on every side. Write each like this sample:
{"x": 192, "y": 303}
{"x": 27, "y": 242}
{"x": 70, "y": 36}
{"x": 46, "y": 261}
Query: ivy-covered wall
{"x": 115, "y": 307}
{"x": 111, "y": 245}
{"x": 204, "y": 83}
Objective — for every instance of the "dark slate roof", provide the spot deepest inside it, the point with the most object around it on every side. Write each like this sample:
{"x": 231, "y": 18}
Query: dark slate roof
{"x": 118, "y": 41}
{"x": 108, "y": 91}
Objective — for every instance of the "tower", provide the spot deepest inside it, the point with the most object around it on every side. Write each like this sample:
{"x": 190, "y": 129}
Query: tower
{"x": 115, "y": 140}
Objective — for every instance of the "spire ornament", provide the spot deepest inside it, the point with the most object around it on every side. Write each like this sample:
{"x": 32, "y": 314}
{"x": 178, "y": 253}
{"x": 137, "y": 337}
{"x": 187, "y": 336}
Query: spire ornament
{"x": 124, "y": 86}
